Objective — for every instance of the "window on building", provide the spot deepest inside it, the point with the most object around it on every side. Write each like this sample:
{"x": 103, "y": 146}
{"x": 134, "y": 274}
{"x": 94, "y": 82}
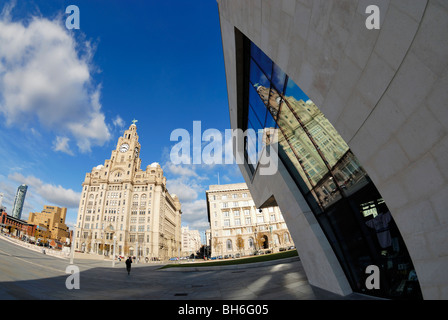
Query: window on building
{"x": 229, "y": 245}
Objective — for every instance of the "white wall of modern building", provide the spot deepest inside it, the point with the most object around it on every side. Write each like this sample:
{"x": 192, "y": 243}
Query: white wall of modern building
{"x": 385, "y": 91}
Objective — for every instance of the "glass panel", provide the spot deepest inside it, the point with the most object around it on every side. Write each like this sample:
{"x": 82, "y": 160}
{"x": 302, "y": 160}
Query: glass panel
{"x": 327, "y": 192}
{"x": 343, "y": 199}
{"x": 324, "y": 135}
{"x": 350, "y": 238}
{"x": 303, "y": 147}
{"x": 257, "y": 104}
{"x": 278, "y": 78}
{"x": 253, "y": 118}
{"x": 398, "y": 276}
{"x": 257, "y": 77}
{"x": 349, "y": 175}
{"x": 274, "y": 102}
{"x": 251, "y": 145}
{"x": 270, "y": 122}
{"x": 262, "y": 59}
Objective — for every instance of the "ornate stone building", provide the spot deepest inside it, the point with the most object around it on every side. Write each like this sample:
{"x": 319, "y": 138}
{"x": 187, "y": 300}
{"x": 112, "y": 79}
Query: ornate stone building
{"x": 122, "y": 204}
{"x": 238, "y": 227}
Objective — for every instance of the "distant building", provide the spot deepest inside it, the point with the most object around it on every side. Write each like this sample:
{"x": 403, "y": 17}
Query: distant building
{"x": 238, "y": 226}
{"x": 1, "y": 202}
{"x": 16, "y": 227}
{"x": 19, "y": 201}
{"x": 51, "y": 219}
{"x": 191, "y": 241}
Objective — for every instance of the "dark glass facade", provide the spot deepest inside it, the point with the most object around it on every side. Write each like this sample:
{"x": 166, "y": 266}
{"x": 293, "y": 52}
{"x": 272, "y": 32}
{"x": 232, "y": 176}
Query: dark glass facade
{"x": 348, "y": 207}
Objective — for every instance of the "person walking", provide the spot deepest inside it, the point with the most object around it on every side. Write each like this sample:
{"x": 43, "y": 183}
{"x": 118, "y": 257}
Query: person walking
{"x": 128, "y": 265}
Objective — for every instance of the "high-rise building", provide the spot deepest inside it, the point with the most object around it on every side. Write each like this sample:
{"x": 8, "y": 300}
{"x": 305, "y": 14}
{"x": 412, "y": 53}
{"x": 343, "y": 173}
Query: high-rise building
{"x": 362, "y": 136}
{"x": 129, "y": 207}
{"x": 51, "y": 218}
{"x": 19, "y": 201}
{"x": 2, "y": 208}
{"x": 237, "y": 226}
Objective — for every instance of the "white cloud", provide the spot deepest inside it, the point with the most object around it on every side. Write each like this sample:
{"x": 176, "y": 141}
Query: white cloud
{"x": 181, "y": 170}
{"x": 182, "y": 189}
{"x": 61, "y": 144}
{"x": 44, "y": 76}
{"x": 194, "y": 214}
{"x": 57, "y": 195}
{"x": 118, "y": 122}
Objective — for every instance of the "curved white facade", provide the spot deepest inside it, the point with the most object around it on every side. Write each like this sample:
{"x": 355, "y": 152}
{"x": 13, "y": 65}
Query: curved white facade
{"x": 385, "y": 92}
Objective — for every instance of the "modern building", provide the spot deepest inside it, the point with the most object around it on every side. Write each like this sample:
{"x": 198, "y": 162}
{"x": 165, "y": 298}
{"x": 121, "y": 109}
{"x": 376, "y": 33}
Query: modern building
{"x": 130, "y": 208}
{"x": 237, "y": 226}
{"x": 19, "y": 201}
{"x": 51, "y": 218}
{"x": 191, "y": 241}
{"x": 1, "y": 201}
{"x": 360, "y": 116}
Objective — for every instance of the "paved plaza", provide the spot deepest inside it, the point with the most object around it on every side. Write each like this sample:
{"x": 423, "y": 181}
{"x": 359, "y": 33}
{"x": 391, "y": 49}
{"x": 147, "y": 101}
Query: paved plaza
{"x": 28, "y": 274}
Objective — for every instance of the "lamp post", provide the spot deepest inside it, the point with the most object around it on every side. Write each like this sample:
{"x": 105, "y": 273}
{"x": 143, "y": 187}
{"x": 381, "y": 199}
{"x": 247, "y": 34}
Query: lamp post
{"x": 136, "y": 258}
{"x": 113, "y": 256}
{"x": 72, "y": 253}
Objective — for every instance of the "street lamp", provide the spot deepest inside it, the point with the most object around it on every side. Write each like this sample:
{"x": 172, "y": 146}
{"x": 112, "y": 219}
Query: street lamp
{"x": 136, "y": 258}
{"x": 113, "y": 257}
{"x": 72, "y": 253}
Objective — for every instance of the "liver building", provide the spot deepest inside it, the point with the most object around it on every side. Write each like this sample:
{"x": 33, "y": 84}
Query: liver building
{"x": 129, "y": 207}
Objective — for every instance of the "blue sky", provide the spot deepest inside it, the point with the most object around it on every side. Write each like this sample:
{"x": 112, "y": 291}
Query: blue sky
{"x": 67, "y": 95}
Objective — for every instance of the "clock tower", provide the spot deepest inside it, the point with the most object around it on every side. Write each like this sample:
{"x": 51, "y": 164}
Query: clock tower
{"x": 125, "y": 158}
{"x": 124, "y": 206}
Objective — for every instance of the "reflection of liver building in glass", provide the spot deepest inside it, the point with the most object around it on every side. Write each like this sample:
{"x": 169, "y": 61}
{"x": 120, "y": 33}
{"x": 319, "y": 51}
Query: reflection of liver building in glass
{"x": 313, "y": 145}
{"x": 130, "y": 208}
{"x": 19, "y": 200}
{"x": 322, "y": 132}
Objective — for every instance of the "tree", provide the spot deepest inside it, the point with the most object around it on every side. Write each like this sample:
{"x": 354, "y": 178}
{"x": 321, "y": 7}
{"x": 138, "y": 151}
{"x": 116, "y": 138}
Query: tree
{"x": 216, "y": 244}
{"x": 261, "y": 238}
{"x": 239, "y": 243}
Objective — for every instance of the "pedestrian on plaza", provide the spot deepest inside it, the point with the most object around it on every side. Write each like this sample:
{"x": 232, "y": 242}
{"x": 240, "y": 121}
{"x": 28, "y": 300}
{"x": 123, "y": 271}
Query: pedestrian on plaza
{"x": 128, "y": 265}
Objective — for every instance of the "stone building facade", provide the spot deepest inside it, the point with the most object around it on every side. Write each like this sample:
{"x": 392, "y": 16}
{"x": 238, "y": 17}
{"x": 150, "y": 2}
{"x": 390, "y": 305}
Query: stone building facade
{"x": 238, "y": 227}
{"x": 129, "y": 207}
{"x": 52, "y": 218}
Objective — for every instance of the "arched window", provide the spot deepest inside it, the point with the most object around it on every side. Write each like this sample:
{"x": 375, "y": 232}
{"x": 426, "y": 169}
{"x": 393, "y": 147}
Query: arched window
{"x": 251, "y": 243}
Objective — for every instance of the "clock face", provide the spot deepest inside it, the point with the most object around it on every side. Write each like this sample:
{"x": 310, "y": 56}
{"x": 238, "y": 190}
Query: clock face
{"x": 124, "y": 147}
